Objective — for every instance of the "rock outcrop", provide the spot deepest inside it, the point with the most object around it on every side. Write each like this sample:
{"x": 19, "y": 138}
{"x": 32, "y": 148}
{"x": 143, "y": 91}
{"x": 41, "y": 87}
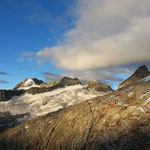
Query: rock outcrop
{"x": 140, "y": 73}
{"x": 117, "y": 121}
{"x": 66, "y": 81}
{"x": 6, "y": 95}
{"x": 97, "y": 86}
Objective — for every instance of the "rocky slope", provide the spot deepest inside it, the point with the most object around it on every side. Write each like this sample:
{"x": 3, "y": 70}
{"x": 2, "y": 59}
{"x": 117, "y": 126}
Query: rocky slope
{"x": 117, "y": 121}
{"x": 97, "y": 86}
{"x": 140, "y": 73}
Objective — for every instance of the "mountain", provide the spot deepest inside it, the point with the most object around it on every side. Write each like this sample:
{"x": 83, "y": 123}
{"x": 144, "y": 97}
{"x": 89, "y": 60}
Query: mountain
{"x": 28, "y": 83}
{"x": 38, "y": 101}
{"x": 140, "y": 73}
{"x": 119, "y": 120}
{"x": 35, "y": 86}
{"x": 97, "y": 86}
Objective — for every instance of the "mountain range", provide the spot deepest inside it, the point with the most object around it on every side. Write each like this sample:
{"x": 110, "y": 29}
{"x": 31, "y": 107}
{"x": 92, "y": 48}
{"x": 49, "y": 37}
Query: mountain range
{"x": 67, "y": 115}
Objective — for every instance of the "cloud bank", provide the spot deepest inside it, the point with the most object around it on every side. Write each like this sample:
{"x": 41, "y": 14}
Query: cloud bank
{"x": 108, "y": 33}
{"x": 2, "y": 81}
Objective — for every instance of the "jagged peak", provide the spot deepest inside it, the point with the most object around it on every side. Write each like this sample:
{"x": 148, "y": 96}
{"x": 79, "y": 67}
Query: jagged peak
{"x": 141, "y": 70}
{"x": 28, "y": 83}
{"x": 139, "y": 74}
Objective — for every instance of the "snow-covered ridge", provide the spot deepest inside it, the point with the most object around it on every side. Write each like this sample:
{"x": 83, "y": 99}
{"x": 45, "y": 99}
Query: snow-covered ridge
{"x": 41, "y": 104}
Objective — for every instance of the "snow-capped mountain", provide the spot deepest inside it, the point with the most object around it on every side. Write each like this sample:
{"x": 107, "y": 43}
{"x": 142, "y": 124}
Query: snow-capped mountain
{"x": 28, "y": 83}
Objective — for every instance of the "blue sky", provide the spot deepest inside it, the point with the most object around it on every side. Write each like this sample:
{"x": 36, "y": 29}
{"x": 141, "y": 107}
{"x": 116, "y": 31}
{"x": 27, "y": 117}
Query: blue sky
{"x": 92, "y": 40}
{"x": 28, "y": 26}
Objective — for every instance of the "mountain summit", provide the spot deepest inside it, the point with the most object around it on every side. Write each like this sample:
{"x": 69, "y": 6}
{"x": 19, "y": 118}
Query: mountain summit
{"x": 28, "y": 83}
{"x": 140, "y": 73}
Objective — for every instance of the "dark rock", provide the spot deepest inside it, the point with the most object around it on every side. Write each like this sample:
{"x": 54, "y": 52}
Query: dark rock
{"x": 8, "y": 94}
{"x": 66, "y": 81}
{"x": 140, "y": 73}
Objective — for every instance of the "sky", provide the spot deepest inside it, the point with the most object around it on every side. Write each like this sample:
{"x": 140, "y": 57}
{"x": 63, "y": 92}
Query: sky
{"x": 103, "y": 40}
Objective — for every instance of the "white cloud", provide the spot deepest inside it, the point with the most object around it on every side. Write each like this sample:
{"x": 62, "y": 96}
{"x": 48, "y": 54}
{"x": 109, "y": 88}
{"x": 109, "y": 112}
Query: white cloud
{"x": 107, "y": 74}
{"x": 107, "y": 33}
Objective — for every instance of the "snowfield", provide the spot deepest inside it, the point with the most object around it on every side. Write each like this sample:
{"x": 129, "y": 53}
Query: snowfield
{"x": 41, "y": 104}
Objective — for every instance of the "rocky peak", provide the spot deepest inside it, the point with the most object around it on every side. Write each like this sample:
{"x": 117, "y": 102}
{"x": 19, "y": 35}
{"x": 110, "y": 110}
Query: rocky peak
{"x": 140, "y": 73}
{"x": 28, "y": 83}
{"x": 97, "y": 86}
{"x": 66, "y": 81}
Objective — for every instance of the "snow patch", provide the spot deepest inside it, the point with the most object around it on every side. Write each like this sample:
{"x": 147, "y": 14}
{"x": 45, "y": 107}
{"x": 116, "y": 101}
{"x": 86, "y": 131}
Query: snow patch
{"x": 142, "y": 96}
{"x": 146, "y": 79}
{"x": 130, "y": 94}
{"x": 147, "y": 101}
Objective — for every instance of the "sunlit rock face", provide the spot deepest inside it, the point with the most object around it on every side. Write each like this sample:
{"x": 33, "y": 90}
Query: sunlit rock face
{"x": 97, "y": 86}
{"x": 140, "y": 73}
{"x": 119, "y": 120}
{"x": 49, "y": 84}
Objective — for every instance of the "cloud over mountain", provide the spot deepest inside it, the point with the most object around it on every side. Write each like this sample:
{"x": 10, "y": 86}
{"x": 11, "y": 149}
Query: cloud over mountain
{"x": 107, "y": 33}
